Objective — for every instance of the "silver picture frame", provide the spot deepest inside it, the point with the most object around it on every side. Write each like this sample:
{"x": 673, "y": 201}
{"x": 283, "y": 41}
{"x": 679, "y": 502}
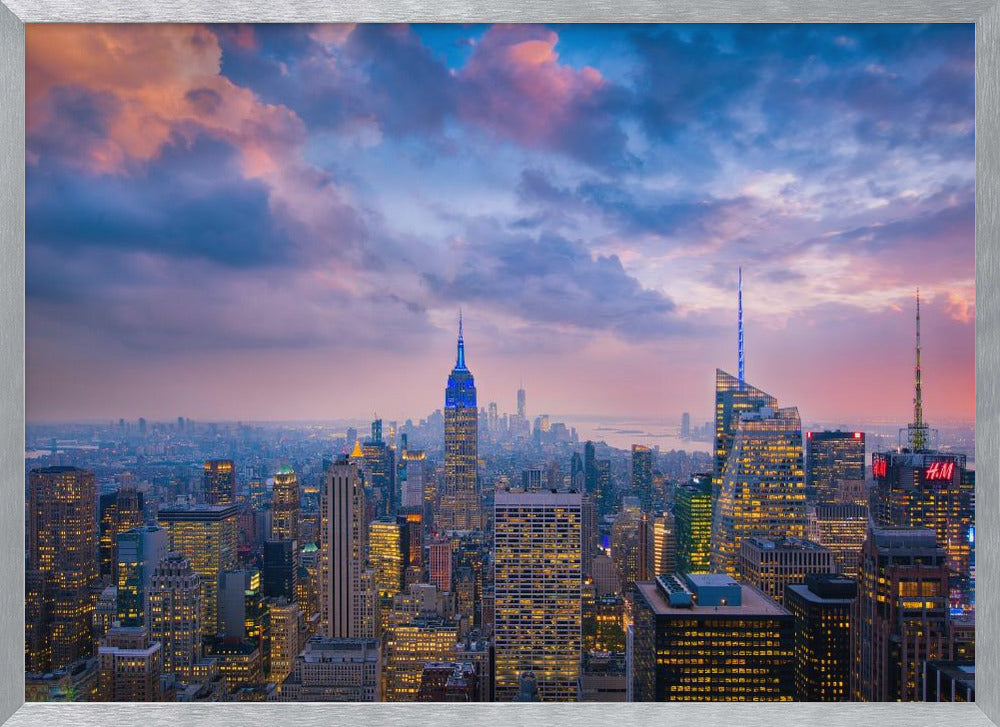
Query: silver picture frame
{"x": 14, "y": 712}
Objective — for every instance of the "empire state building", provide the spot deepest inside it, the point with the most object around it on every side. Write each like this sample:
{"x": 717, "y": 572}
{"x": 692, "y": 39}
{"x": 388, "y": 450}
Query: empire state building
{"x": 460, "y": 506}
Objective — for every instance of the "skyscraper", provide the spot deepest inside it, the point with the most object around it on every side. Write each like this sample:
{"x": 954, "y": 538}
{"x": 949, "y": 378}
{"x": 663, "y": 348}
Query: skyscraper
{"x": 460, "y": 507}
{"x": 285, "y": 505}
{"x": 279, "y": 572}
{"x": 693, "y": 520}
{"x": 590, "y": 468}
{"x": 139, "y": 552}
{"x": 175, "y": 614}
{"x": 412, "y": 495}
{"x": 642, "y": 475}
{"x": 900, "y": 617}
{"x": 521, "y": 412}
{"x": 440, "y": 557}
{"x": 62, "y": 567}
{"x": 379, "y": 467}
{"x": 708, "y": 638}
{"x": 821, "y": 608}
{"x": 733, "y": 396}
{"x": 661, "y": 551}
{"x": 389, "y": 549}
{"x": 119, "y": 511}
{"x": 832, "y": 456}
{"x": 342, "y": 547}
{"x": 206, "y": 536}
{"x": 762, "y": 492}
{"x": 538, "y": 618}
{"x": 922, "y": 487}
{"x": 219, "y": 482}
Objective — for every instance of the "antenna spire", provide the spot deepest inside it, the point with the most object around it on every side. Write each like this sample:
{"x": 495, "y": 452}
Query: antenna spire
{"x": 460, "y": 362}
{"x": 919, "y": 430}
{"x": 739, "y": 325}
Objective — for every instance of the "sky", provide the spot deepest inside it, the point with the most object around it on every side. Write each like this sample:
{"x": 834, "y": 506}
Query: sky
{"x": 282, "y": 222}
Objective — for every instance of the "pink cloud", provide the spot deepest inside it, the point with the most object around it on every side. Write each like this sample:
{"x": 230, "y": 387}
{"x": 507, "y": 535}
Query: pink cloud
{"x": 517, "y": 88}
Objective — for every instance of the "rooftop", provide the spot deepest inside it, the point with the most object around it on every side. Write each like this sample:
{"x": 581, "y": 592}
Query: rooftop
{"x": 753, "y": 601}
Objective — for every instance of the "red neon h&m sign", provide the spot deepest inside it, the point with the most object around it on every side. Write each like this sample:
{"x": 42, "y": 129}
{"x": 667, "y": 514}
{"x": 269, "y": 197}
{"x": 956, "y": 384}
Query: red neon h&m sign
{"x": 940, "y": 471}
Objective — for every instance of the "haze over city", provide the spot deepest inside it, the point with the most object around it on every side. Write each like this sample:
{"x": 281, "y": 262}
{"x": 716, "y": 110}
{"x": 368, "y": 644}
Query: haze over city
{"x": 282, "y": 222}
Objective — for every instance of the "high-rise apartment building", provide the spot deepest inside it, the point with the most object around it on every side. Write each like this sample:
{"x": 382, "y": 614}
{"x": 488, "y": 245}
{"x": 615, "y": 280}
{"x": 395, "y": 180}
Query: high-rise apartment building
{"x": 286, "y": 624}
{"x": 285, "y": 505}
{"x": 175, "y": 613}
{"x": 537, "y": 581}
{"x": 342, "y": 553}
{"x": 62, "y": 567}
{"x": 219, "y": 482}
{"x": 440, "y": 557}
{"x": 206, "y": 536}
{"x": 762, "y": 491}
{"x": 460, "y": 507}
{"x": 832, "y": 456}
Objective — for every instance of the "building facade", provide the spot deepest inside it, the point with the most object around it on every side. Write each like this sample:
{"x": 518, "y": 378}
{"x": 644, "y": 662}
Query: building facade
{"x": 537, "y": 581}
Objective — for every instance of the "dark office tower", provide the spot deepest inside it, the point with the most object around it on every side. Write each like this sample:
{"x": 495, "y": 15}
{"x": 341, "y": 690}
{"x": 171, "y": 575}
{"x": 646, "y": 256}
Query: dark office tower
{"x": 342, "y": 549}
{"x": 575, "y": 469}
{"x": 900, "y": 617}
{"x": 590, "y": 468}
{"x": 821, "y": 608}
{"x": 590, "y": 533}
{"x": 520, "y": 403}
{"x": 220, "y": 482}
{"x": 832, "y": 456}
{"x": 685, "y": 425}
{"x": 762, "y": 492}
{"x": 62, "y": 567}
{"x": 460, "y": 507}
{"x": 693, "y": 520}
{"x": 379, "y": 468}
{"x": 607, "y": 499}
{"x": 285, "y": 505}
{"x": 119, "y": 512}
{"x": 642, "y": 475}
{"x": 688, "y": 628}
{"x": 139, "y": 552}
{"x": 278, "y": 575}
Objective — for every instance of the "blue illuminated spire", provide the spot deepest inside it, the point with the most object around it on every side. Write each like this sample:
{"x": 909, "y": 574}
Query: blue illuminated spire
{"x": 460, "y": 362}
{"x": 740, "y": 324}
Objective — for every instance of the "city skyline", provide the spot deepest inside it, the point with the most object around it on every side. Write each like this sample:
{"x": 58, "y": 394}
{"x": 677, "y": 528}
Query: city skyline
{"x": 324, "y": 224}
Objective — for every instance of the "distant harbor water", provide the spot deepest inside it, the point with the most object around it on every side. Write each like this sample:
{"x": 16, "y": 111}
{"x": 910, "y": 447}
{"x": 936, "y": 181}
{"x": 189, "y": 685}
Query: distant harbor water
{"x": 624, "y": 433}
